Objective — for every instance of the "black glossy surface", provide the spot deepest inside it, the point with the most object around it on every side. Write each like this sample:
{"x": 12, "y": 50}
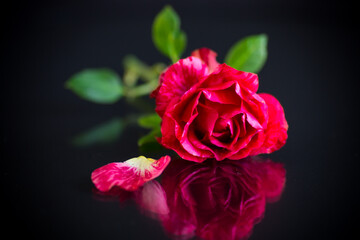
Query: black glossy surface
{"x": 311, "y": 69}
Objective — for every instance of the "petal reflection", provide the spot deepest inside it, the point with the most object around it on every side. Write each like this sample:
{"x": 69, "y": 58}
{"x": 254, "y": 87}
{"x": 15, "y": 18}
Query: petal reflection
{"x": 152, "y": 198}
{"x": 211, "y": 200}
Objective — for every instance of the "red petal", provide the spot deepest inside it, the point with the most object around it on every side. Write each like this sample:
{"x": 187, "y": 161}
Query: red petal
{"x": 224, "y": 73}
{"x": 224, "y": 94}
{"x": 128, "y": 175}
{"x": 170, "y": 141}
{"x": 177, "y": 80}
{"x": 276, "y": 111}
{"x": 276, "y": 131}
{"x": 154, "y": 93}
{"x": 207, "y": 56}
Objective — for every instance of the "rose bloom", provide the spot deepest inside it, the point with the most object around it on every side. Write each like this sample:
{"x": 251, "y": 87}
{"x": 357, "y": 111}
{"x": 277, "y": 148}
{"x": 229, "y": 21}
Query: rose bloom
{"x": 219, "y": 200}
{"x": 211, "y": 110}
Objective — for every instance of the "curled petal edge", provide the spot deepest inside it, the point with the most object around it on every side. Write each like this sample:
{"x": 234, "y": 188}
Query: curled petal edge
{"x": 276, "y": 131}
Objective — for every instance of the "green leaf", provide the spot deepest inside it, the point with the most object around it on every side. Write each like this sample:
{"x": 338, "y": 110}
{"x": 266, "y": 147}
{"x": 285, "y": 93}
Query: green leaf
{"x": 248, "y": 54}
{"x": 96, "y": 85}
{"x": 151, "y": 121}
{"x": 167, "y": 35}
{"x": 180, "y": 40}
{"x": 102, "y": 134}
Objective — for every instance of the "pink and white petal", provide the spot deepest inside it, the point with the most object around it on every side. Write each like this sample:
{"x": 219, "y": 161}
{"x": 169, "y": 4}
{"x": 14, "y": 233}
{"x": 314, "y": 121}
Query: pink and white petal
{"x": 207, "y": 56}
{"x": 128, "y": 175}
{"x": 177, "y": 80}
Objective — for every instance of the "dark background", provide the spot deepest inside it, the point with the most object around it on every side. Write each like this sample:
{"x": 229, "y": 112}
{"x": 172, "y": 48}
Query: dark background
{"x": 312, "y": 69}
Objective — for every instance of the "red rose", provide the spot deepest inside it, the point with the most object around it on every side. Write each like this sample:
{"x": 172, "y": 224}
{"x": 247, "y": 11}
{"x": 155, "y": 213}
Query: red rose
{"x": 219, "y": 200}
{"x": 212, "y": 110}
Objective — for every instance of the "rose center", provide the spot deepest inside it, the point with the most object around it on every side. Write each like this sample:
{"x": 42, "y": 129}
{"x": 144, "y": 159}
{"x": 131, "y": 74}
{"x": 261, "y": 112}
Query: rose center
{"x": 223, "y": 129}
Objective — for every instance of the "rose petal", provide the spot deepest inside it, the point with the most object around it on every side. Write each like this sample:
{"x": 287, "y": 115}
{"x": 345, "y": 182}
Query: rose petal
{"x": 177, "y": 120}
{"x": 200, "y": 144}
{"x": 154, "y": 93}
{"x": 178, "y": 79}
{"x": 186, "y": 109}
{"x": 276, "y": 111}
{"x": 224, "y": 73}
{"x": 128, "y": 175}
{"x": 252, "y": 141}
{"x": 276, "y": 131}
{"x": 170, "y": 141}
{"x": 231, "y": 136}
{"x": 207, "y": 56}
{"x": 254, "y": 105}
{"x": 205, "y": 120}
{"x": 223, "y": 96}
{"x": 225, "y": 111}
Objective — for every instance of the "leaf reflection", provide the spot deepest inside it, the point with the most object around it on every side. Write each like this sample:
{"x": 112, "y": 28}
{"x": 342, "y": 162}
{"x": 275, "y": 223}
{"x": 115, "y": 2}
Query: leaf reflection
{"x": 105, "y": 133}
{"x": 212, "y": 200}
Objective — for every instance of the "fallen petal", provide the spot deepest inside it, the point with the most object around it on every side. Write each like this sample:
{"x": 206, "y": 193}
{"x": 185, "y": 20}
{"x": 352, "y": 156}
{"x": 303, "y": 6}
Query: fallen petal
{"x": 128, "y": 175}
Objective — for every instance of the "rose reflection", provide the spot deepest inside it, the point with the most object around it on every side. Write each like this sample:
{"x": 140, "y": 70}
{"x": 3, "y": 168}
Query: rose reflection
{"x": 212, "y": 200}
